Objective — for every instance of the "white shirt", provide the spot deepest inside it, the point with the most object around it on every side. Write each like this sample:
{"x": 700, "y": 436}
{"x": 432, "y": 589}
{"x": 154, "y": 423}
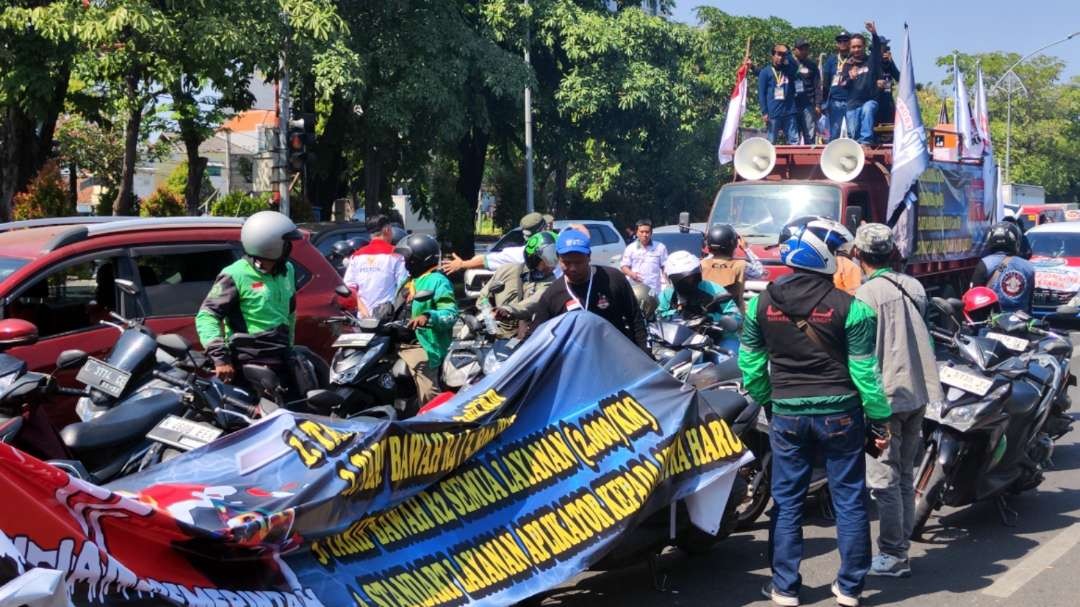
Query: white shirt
{"x": 376, "y": 272}
{"x": 495, "y": 259}
{"x": 648, "y": 262}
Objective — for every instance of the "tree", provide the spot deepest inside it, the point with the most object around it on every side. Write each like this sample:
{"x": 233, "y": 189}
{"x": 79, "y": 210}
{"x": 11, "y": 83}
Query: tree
{"x": 163, "y": 202}
{"x": 239, "y": 204}
{"x": 97, "y": 149}
{"x": 44, "y": 197}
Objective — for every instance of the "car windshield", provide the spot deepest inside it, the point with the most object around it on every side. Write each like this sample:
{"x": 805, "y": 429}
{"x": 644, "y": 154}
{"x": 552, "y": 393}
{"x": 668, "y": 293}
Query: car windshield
{"x": 759, "y": 212}
{"x": 677, "y": 241}
{"x": 513, "y": 238}
{"x": 1054, "y": 244}
{"x": 8, "y": 265}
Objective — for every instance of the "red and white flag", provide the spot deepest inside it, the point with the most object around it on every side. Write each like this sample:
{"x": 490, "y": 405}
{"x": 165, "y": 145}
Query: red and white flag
{"x": 736, "y": 109}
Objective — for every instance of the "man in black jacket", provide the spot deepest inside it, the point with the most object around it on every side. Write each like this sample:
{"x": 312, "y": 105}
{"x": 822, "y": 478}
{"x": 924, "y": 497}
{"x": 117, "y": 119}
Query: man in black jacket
{"x": 860, "y": 78}
{"x": 807, "y": 92}
{"x": 601, "y": 290}
{"x": 890, "y": 75}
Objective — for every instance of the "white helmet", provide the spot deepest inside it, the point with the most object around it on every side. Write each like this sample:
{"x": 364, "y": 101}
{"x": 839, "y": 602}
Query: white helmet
{"x": 810, "y": 243}
{"x": 266, "y": 233}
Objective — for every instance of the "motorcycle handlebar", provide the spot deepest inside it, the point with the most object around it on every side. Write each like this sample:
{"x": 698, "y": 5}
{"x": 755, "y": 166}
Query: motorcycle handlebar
{"x": 165, "y": 377}
{"x": 246, "y": 409}
{"x": 70, "y": 391}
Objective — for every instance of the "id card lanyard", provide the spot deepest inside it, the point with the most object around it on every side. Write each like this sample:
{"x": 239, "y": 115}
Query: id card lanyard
{"x": 588, "y": 291}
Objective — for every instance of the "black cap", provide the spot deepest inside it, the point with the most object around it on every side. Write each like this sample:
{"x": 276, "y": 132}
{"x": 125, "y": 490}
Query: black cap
{"x": 884, "y": 43}
{"x": 801, "y": 42}
{"x": 843, "y": 35}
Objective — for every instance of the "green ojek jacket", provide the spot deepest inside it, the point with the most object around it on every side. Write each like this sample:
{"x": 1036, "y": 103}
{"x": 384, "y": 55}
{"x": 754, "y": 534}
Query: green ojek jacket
{"x": 442, "y": 312}
{"x": 245, "y": 300}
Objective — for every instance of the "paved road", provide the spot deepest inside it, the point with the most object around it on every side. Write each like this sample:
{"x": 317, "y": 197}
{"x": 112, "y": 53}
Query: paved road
{"x": 968, "y": 557}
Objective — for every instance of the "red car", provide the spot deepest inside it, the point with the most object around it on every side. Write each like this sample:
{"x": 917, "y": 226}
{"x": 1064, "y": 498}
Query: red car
{"x": 59, "y": 276}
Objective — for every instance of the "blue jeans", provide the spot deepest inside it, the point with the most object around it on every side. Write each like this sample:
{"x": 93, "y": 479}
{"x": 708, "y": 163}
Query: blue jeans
{"x": 786, "y": 125}
{"x": 796, "y": 442}
{"x": 837, "y": 110}
{"x": 860, "y": 121}
{"x": 807, "y": 122}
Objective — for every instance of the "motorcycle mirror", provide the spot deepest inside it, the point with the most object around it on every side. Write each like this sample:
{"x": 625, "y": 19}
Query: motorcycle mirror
{"x": 174, "y": 344}
{"x": 424, "y": 295}
{"x": 71, "y": 358}
{"x": 729, "y": 324}
{"x": 126, "y": 286}
{"x": 23, "y": 388}
{"x": 343, "y": 291}
{"x": 684, "y": 222}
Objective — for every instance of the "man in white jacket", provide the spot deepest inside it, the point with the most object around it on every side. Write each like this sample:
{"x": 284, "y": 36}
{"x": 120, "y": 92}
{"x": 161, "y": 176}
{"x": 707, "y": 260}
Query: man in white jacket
{"x": 375, "y": 272}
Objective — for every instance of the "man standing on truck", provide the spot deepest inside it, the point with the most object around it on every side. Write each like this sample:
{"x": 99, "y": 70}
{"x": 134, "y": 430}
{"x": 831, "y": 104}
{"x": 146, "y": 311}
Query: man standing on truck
{"x": 890, "y": 75}
{"x": 807, "y": 93}
{"x": 834, "y": 96}
{"x": 1010, "y": 276}
{"x": 910, "y": 377}
{"x": 776, "y": 95}
{"x": 808, "y": 353}
{"x": 860, "y": 79}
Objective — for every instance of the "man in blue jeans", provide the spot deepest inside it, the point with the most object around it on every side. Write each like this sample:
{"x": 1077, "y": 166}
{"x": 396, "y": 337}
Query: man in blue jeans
{"x": 860, "y": 78}
{"x": 776, "y": 94}
{"x": 808, "y": 353}
{"x": 834, "y": 96}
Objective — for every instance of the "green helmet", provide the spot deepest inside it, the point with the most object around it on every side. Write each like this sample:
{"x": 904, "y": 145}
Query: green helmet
{"x": 540, "y": 246}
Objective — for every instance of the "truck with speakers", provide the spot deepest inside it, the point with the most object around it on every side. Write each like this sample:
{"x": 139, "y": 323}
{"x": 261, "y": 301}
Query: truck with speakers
{"x": 849, "y": 182}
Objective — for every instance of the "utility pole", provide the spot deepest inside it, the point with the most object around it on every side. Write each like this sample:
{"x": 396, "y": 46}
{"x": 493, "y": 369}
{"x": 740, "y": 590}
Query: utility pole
{"x": 1012, "y": 83}
{"x": 529, "y": 204}
{"x": 228, "y": 162}
{"x": 284, "y": 115}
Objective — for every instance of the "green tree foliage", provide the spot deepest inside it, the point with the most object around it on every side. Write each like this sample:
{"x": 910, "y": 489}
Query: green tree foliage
{"x": 45, "y": 196}
{"x": 163, "y": 202}
{"x": 177, "y": 183}
{"x": 239, "y": 204}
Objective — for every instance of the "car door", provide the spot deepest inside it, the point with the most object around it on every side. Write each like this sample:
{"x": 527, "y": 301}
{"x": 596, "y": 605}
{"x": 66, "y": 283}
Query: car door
{"x": 174, "y": 280}
{"x": 67, "y": 303}
{"x": 607, "y": 247}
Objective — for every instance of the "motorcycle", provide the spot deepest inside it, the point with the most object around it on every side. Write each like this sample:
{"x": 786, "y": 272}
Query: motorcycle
{"x": 366, "y": 373}
{"x": 988, "y": 437}
{"x": 467, "y": 360}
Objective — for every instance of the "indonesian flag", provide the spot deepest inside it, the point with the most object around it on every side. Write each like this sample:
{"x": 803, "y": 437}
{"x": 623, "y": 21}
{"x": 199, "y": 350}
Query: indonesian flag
{"x": 735, "y": 110}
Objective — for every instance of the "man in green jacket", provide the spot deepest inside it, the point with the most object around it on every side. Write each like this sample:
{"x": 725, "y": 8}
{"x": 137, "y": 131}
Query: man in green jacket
{"x": 254, "y": 295}
{"x": 807, "y": 352}
{"x": 432, "y": 317}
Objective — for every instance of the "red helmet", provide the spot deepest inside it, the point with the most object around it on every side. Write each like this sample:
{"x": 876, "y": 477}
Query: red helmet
{"x": 980, "y": 303}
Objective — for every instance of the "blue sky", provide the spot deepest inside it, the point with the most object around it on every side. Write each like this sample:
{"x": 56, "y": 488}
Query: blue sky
{"x": 937, "y": 26}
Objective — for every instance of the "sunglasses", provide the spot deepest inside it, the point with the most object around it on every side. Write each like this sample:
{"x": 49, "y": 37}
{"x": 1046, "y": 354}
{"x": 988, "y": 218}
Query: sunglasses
{"x": 778, "y": 53}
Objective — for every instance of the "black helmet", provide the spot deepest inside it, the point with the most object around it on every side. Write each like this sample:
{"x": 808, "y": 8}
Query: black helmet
{"x": 421, "y": 253}
{"x": 722, "y": 239}
{"x": 1004, "y": 238}
{"x": 342, "y": 249}
{"x": 397, "y": 233}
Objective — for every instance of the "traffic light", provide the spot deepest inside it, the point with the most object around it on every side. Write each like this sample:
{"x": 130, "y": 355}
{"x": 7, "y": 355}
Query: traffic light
{"x": 301, "y": 134}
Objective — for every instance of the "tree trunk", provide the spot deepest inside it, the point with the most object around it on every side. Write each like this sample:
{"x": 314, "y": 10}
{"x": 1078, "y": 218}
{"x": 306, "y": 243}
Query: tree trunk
{"x": 372, "y": 180}
{"x": 73, "y": 187}
{"x": 559, "y": 198}
{"x": 196, "y": 168}
{"x": 9, "y": 161}
{"x": 122, "y": 206}
{"x": 472, "y": 153}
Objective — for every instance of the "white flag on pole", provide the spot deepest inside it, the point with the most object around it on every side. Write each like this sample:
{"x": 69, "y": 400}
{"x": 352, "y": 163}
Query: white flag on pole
{"x": 729, "y": 139}
{"x": 970, "y": 143}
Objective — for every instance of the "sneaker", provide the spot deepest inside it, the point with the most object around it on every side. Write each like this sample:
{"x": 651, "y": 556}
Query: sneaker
{"x": 782, "y": 599}
{"x": 843, "y": 599}
{"x": 887, "y": 565}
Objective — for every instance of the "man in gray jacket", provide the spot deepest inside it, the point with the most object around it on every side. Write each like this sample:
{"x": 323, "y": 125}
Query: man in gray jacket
{"x": 909, "y": 374}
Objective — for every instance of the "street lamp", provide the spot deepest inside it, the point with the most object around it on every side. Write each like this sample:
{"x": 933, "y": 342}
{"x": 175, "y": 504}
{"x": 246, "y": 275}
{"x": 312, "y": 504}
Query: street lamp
{"x": 528, "y": 125}
{"x": 1013, "y": 82}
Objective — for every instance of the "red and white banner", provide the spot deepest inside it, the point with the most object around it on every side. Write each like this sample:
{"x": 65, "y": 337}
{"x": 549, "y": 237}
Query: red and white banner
{"x": 735, "y": 111}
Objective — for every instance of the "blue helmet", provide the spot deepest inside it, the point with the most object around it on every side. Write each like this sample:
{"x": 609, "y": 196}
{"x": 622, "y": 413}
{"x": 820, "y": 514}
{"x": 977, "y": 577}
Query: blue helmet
{"x": 810, "y": 243}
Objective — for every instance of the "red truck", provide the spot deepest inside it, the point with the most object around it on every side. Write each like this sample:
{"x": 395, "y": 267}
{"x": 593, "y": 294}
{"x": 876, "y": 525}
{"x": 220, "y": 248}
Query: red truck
{"x": 950, "y": 219}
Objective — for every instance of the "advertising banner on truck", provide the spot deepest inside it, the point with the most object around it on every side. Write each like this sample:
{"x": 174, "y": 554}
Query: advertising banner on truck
{"x": 950, "y": 219}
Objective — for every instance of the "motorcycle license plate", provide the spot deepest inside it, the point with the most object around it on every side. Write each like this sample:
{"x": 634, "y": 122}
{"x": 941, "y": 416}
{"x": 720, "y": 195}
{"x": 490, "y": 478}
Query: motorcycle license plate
{"x": 968, "y": 382}
{"x": 1016, "y": 344}
{"x": 104, "y": 377}
{"x": 183, "y": 434}
{"x": 354, "y": 340}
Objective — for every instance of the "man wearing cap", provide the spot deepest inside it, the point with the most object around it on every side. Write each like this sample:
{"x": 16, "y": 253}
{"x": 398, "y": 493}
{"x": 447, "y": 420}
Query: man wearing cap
{"x": 860, "y": 78}
{"x": 807, "y": 92}
{"x": 910, "y": 378}
{"x": 776, "y": 95}
{"x": 530, "y": 224}
{"x": 890, "y": 74}
{"x": 601, "y": 290}
{"x": 834, "y": 96}
{"x": 643, "y": 260}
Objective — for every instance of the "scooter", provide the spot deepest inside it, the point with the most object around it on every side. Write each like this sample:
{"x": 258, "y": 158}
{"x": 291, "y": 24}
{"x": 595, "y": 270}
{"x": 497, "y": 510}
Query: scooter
{"x": 366, "y": 372}
{"x": 988, "y": 437}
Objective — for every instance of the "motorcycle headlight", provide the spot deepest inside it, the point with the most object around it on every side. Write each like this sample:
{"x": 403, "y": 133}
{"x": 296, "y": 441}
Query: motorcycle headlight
{"x": 964, "y": 414}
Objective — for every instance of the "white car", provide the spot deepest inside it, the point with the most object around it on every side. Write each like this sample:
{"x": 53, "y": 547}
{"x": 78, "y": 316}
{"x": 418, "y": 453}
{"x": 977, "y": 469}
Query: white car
{"x": 607, "y": 249}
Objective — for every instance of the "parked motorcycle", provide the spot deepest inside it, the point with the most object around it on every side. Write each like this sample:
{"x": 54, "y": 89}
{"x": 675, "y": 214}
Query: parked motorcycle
{"x": 988, "y": 438}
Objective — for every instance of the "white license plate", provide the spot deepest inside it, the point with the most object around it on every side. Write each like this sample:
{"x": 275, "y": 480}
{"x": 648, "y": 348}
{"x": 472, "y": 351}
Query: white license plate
{"x": 968, "y": 382}
{"x": 183, "y": 434}
{"x": 103, "y": 376}
{"x": 1016, "y": 344}
{"x": 354, "y": 340}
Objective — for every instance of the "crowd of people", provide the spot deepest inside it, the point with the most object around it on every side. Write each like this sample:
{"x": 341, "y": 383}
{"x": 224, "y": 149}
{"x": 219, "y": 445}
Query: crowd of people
{"x": 851, "y": 90}
{"x": 837, "y": 350}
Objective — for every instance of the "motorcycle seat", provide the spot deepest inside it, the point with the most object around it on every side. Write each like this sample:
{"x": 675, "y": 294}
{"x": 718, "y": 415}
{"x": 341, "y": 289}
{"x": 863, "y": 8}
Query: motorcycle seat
{"x": 128, "y": 421}
{"x": 728, "y": 404}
